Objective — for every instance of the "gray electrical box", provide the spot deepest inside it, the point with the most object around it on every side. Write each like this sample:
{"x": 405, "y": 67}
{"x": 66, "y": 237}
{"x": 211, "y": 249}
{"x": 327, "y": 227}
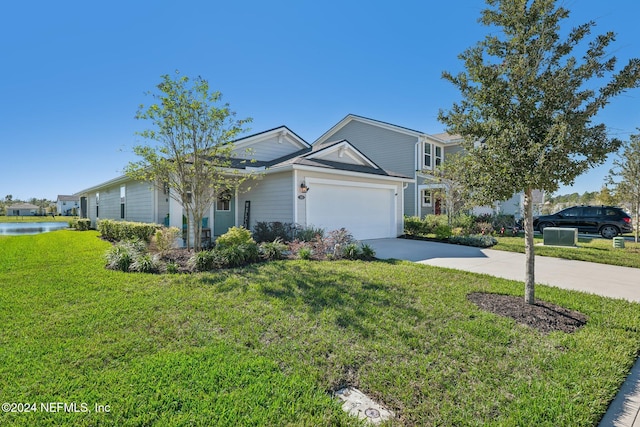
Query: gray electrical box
{"x": 556, "y": 236}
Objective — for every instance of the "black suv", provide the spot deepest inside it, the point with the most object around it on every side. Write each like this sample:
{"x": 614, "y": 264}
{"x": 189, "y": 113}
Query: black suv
{"x": 609, "y": 221}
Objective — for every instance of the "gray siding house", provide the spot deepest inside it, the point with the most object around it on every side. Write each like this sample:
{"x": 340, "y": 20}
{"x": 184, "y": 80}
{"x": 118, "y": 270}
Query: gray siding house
{"x": 331, "y": 186}
{"x": 409, "y": 152}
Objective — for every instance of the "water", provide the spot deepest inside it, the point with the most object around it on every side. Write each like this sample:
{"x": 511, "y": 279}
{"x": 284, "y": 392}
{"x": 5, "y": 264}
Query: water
{"x": 20, "y": 228}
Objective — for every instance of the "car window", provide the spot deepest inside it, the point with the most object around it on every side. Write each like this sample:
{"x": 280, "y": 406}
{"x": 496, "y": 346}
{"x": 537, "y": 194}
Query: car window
{"x": 610, "y": 212}
{"x": 571, "y": 212}
{"x": 591, "y": 211}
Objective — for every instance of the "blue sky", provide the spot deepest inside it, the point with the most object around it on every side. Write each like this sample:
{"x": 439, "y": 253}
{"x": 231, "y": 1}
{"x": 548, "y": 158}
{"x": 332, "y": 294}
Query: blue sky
{"x": 74, "y": 72}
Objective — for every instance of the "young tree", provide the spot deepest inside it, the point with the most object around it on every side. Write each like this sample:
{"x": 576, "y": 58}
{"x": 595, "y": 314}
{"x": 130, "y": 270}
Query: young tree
{"x": 626, "y": 167}
{"x": 604, "y": 197}
{"x": 528, "y": 104}
{"x": 451, "y": 190}
{"x": 193, "y": 146}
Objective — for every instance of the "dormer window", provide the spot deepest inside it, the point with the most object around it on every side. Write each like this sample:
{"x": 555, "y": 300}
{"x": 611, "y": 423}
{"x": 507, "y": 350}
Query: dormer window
{"x": 438, "y": 155}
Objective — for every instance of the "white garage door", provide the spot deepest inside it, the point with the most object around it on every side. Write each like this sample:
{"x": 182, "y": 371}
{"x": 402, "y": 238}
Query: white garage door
{"x": 367, "y": 211}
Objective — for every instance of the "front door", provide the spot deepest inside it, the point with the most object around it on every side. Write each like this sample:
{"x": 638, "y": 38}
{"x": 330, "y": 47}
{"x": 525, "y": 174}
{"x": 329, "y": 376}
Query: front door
{"x": 224, "y": 213}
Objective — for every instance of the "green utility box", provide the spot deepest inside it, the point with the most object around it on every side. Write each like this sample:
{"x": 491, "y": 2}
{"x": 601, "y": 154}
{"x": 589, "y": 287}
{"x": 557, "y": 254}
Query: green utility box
{"x": 618, "y": 242}
{"x": 556, "y": 236}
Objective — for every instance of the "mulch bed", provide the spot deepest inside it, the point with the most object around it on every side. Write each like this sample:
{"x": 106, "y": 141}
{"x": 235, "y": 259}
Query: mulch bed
{"x": 543, "y": 316}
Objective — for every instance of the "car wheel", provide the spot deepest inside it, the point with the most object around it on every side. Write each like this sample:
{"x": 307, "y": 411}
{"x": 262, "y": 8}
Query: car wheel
{"x": 609, "y": 231}
{"x": 544, "y": 225}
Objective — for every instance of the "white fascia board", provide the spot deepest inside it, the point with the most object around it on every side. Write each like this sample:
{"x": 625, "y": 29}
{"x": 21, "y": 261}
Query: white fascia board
{"x": 281, "y": 132}
{"x": 350, "y": 173}
{"x": 349, "y": 150}
{"x": 111, "y": 182}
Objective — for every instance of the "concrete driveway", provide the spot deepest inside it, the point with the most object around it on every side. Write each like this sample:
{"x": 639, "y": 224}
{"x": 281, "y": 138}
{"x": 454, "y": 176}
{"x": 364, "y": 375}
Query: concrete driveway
{"x": 607, "y": 280}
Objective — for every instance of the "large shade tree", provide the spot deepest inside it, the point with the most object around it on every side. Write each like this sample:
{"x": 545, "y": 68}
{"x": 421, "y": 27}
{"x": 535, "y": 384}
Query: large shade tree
{"x": 624, "y": 178}
{"x": 530, "y": 94}
{"x": 191, "y": 151}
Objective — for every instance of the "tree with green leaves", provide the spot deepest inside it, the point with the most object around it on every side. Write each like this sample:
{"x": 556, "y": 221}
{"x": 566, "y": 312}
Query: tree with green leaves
{"x": 624, "y": 177}
{"x": 192, "y": 150}
{"x": 450, "y": 189}
{"x": 528, "y": 105}
{"x": 605, "y": 197}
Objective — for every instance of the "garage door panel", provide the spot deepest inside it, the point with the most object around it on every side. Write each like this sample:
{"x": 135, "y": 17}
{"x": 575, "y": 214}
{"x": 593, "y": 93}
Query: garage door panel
{"x": 367, "y": 212}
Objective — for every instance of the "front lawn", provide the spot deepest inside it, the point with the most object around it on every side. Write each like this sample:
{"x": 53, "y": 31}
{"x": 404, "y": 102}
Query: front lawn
{"x": 589, "y": 249}
{"x": 268, "y": 343}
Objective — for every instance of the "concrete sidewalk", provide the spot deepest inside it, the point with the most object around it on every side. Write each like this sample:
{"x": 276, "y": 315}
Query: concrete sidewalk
{"x": 600, "y": 279}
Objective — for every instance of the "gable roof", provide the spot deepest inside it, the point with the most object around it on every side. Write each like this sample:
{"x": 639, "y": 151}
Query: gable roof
{"x": 443, "y": 138}
{"x": 23, "y": 206}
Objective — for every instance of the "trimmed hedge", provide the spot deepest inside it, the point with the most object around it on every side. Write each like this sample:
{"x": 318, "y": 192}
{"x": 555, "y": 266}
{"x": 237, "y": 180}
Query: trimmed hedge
{"x": 117, "y": 231}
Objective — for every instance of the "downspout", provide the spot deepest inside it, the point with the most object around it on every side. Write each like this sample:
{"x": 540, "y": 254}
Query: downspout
{"x": 416, "y": 194}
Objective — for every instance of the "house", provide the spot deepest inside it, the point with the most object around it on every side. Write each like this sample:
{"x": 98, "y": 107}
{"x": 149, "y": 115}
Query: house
{"x": 67, "y": 205}
{"x": 22, "y": 209}
{"x": 331, "y": 186}
{"x": 408, "y": 152}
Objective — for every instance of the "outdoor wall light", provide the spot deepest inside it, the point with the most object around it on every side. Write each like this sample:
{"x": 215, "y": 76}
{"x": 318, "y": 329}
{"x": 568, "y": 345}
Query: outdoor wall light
{"x": 303, "y": 188}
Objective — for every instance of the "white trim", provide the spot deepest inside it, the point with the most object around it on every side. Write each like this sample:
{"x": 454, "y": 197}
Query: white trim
{"x": 295, "y": 198}
{"x": 342, "y": 148}
{"x": 311, "y": 180}
{"x": 281, "y": 133}
{"x": 346, "y": 173}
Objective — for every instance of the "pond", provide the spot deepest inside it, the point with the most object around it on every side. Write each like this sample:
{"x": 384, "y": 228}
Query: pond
{"x": 20, "y": 228}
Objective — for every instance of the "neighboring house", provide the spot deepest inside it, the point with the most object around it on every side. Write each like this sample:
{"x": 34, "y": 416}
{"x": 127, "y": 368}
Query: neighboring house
{"x": 67, "y": 205}
{"x": 330, "y": 186}
{"x": 22, "y": 209}
{"x": 409, "y": 152}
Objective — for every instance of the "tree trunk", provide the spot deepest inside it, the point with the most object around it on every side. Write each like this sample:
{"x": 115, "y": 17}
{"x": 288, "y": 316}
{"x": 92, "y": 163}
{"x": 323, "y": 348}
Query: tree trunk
{"x": 529, "y": 285}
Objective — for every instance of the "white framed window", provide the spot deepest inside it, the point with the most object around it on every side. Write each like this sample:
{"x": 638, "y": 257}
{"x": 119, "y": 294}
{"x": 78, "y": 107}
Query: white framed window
{"x": 427, "y": 198}
{"x": 224, "y": 202}
{"x": 426, "y": 161}
{"x": 438, "y": 155}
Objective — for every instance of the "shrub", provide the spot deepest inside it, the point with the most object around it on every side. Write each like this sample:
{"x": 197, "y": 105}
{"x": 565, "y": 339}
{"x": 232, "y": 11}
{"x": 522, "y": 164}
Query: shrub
{"x": 368, "y": 253}
{"x": 351, "y": 251}
{"x": 270, "y": 231}
{"x": 413, "y": 226}
{"x": 442, "y": 231}
{"x": 145, "y": 263}
{"x": 80, "y": 224}
{"x": 235, "y": 236}
{"x": 463, "y": 222}
{"x": 484, "y": 228}
{"x": 304, "y": 252}
{"x": 432, "y": 222}
{"x": 122, "y": 255}
{"x": 117, "y": 231}
{"x": 476, "y": 240}
{"x": 165, "y": 238}
{"x": 202, "y": 261}
{"x": 273, "y": 250}
{"x": 308, "y": 234}
{"x": 172, "y": 267}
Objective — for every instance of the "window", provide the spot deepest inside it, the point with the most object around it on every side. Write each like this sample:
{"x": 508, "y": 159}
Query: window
{"x": 123, "y": 192}
{"x": 224, "y": 201}
{"x": 426, "y": 198}
{"x": 427, "y": 155}
{"x": 438, "y": 155}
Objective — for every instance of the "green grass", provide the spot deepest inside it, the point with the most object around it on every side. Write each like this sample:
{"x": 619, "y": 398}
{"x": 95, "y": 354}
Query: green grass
{"x": 589, "y": 249}
{"x": 29, "y": 218}
{"x": 267, "y": 344}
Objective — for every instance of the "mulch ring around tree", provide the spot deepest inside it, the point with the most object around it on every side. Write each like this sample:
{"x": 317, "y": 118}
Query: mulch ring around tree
{"x": 543, "y": 316}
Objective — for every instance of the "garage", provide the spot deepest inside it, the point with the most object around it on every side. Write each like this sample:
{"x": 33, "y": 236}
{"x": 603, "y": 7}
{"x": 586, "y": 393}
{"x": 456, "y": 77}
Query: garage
{"x": 367, "y": 210}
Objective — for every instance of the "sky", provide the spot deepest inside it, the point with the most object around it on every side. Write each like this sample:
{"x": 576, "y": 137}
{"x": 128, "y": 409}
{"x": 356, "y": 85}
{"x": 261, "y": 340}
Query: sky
{"x": 73, "y": 73}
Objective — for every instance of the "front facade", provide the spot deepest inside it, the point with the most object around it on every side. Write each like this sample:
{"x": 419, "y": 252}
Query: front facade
{"x": 67, "y": 205}
{"x": 409, "y": 152}
{"x": 331, "y": 187}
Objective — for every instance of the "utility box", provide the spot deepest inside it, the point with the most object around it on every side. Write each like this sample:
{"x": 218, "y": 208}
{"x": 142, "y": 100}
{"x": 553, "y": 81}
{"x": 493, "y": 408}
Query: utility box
{"x": 556, "y": 236}
{"x": 618, "y": 242}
